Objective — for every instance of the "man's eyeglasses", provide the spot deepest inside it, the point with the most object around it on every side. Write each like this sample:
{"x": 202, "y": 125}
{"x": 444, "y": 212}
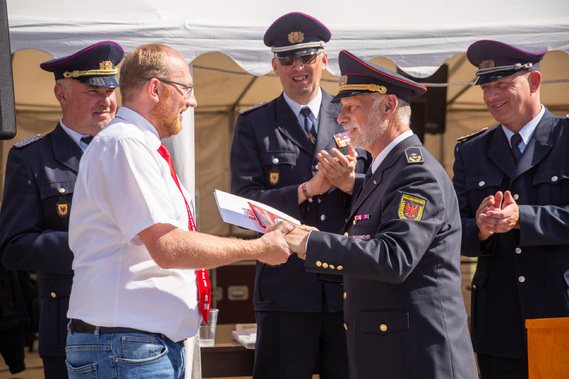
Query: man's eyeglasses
{"x": 186, "y": 88}
{"x": 304, "y": 59}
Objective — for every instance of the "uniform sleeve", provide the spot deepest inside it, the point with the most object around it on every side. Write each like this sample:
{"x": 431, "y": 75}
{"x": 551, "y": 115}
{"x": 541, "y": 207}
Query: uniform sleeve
{"x": 25, "y": 243}
{"x": 399, "y": 243}
{"x": 470, "y": 245}
{"x": 248, "y": 177}
{"x": 545, "y": 225}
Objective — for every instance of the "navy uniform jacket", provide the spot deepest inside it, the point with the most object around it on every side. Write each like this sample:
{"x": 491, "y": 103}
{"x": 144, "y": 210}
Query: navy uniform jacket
{"x": 40, "y": 178}
{"x": 270, "y": 142}
{"x": 522, "y": 274}
{"x": 403, "y": 309}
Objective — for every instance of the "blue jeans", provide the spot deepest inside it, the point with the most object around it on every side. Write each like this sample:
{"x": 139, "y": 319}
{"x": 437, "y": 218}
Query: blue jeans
{"x": 123, "y": 355}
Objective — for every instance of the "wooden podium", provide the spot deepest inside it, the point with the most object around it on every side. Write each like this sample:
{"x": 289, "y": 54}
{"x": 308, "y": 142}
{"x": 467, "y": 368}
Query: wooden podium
{"x": 548, "y": 348}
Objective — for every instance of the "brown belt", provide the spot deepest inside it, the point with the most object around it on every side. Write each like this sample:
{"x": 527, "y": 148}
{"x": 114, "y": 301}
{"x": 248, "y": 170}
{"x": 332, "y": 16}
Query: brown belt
{"x": 79, "y": 326}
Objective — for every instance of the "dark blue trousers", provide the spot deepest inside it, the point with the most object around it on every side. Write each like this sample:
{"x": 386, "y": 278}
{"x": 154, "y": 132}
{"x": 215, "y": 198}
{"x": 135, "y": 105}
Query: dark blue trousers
{"x": 292, "y": 345}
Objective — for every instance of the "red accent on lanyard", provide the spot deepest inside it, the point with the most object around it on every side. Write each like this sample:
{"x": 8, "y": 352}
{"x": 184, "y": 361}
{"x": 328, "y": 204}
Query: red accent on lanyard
{"x": 202, "y": 276}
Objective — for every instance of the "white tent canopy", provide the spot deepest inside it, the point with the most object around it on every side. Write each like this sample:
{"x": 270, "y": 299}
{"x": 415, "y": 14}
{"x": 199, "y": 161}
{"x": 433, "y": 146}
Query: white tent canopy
{"x": 418, "y": 36}
{"x": 223, "y": 41}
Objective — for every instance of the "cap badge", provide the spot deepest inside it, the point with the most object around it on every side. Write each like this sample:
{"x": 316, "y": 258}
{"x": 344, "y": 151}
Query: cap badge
{"x": 296, "y": 37}
{"x": 106, "y": 65}
{"x": 343, "y": 80}
{"x": 488, "y": 63}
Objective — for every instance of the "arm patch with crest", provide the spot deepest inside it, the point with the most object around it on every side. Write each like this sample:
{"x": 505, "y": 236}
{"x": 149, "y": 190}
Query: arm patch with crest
{"x": 411, "y": 207}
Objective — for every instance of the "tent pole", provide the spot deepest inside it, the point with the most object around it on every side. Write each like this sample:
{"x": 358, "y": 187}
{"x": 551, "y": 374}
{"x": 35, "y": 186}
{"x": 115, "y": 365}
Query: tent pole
{"x": 243, "y": 93}
{"x": 458, "y": 95}
{"x": 236, "y": 103}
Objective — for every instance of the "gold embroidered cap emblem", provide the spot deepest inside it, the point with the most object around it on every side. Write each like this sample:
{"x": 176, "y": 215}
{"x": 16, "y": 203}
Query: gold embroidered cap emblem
{"x": 105, "y": 65}
{"x": 296, "y": 37}
{"x": 488, "y": 63}
{"x": 343, "y": 80}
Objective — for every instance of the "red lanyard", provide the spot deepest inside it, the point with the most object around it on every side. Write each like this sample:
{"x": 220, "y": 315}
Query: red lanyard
{"x": 202, "y": 277}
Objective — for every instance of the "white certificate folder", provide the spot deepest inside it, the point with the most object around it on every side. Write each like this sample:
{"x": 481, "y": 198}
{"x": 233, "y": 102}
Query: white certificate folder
{"x": 248, "y": 214}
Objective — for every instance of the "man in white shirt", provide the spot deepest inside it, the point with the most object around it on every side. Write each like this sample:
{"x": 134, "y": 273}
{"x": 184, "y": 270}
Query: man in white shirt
{"x": 132, "y": 232}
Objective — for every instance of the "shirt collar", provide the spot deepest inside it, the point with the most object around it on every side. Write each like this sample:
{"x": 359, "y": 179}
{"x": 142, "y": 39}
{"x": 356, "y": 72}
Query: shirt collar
{"x": 377, "y": 161}
{"x": 527, "y": 131}
{"x": 75, "y": 136}
{"x": 314, "y": 105}
{"x": 135, "y": 118}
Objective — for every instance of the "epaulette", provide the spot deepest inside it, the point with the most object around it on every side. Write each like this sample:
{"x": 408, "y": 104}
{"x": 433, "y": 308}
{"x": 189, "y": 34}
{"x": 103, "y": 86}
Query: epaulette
{"x": 414, "y": 154}
{"x": 466, "y": 138}
{"x": 245, "y": 111}
{"x": 27, "y": 141}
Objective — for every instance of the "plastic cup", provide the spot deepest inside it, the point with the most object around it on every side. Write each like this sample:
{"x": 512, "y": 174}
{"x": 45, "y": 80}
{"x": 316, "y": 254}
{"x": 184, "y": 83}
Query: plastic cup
{"x": 207, "y": 331}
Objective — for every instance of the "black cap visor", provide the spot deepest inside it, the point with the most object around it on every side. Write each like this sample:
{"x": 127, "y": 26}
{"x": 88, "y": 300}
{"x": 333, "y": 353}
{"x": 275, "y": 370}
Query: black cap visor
{"x": 494, "y": 77}
{"x": 108, "y": 81}
{"x": 297, "y": 53}
{"x": 345, "y": 94}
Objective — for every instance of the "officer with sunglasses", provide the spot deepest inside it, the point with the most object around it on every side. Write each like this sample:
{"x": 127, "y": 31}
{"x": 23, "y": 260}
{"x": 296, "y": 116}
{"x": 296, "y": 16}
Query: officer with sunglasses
{"x": 275, "y": 160}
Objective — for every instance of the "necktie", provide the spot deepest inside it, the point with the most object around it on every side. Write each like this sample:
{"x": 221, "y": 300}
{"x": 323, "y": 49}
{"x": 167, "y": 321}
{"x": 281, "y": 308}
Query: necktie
{"x": 309, "y": 124}
{"x": 515, "y": 141}
{"x": 368, "y": 175}
{"x": 86, "y": 140}
{"x": 202, "y": 276}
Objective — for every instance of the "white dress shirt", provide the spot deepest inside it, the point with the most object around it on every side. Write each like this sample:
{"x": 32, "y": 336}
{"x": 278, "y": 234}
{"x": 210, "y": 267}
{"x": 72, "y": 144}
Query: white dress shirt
{"x": 526, "y": 132}
{"x": 314, "y": 106}
{"x": 123, "y": 187}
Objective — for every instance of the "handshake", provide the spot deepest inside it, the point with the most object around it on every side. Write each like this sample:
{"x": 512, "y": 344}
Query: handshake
{"x": 283, "y": 239}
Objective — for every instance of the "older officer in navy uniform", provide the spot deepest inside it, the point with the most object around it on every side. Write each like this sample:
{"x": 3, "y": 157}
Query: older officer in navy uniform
{"x": 274, "y": 160}
{"x": 403, "y": 307}
{"x": 40, "y": 177}
{"x": 512, "y": 184}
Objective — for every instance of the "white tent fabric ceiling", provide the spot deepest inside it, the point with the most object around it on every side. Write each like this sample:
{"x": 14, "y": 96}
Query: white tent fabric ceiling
{"x": 231, "y": 66}
{"x": 418, "y": 36}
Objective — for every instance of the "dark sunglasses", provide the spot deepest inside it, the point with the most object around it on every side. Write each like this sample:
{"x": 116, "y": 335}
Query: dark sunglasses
{"x": 304, "y": 59}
